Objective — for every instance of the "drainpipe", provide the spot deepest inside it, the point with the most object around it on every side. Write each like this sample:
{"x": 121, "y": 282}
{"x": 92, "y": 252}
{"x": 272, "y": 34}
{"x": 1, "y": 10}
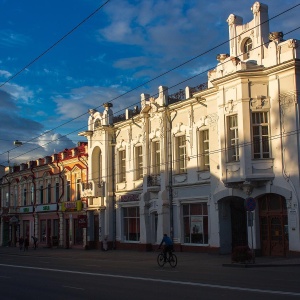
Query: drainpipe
{"x": 34, "y": 197}
{"x": 63, "y": 188}
{"x": 171, "y": 174}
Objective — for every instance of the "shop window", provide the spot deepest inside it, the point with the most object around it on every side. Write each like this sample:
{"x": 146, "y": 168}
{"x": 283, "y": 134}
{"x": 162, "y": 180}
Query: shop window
{"x": 195, "y": 222}
{"x": 131, "y": 221}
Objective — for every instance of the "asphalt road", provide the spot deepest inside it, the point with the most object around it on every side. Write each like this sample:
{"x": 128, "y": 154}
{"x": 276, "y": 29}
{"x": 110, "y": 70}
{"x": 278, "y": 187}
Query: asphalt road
{"x": 126, "y": 275}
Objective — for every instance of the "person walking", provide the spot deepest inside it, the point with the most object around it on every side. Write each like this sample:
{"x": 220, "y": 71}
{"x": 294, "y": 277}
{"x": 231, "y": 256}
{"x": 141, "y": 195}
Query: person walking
{"x": 26, "y": 243}
{"x": 34, "y": 242}
{"x": 21, "y": 243}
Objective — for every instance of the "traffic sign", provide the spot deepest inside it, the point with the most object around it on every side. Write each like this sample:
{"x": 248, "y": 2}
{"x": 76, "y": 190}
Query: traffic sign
{"x": 250, "y": 204}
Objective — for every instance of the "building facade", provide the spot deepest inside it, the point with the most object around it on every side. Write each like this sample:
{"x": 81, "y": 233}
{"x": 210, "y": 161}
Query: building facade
{"x": 215, "y": 166}
{"x": 42, "y": 199}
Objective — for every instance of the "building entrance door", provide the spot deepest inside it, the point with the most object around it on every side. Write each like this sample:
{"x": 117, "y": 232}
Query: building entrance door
{"x": 273, "y": 225}
{"x": 238, "y": 223}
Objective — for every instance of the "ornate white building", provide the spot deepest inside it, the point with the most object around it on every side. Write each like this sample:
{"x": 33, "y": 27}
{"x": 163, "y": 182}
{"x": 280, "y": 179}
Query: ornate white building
{"x": 191, "y": 164}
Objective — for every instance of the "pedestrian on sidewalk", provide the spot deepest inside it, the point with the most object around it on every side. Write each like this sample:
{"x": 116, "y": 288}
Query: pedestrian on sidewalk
{"x": 26, "y": 243}
{"x": 21, "y": 243}
{"x": 34, "y": 242}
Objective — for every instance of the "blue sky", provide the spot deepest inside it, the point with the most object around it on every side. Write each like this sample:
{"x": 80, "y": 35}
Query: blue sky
{"x": 125, "y": 44}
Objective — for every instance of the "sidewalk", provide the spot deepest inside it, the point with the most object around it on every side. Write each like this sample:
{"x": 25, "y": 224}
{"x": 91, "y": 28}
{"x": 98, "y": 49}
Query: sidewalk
{"x": 185, "y": 257}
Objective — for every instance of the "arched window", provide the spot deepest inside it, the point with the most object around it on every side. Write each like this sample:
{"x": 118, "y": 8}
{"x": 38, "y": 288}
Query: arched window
{"x": 247, "y": 48}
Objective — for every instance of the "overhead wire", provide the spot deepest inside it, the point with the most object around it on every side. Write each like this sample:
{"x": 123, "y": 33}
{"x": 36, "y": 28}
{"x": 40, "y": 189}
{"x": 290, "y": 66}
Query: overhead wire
{"x": 144, "y": 83}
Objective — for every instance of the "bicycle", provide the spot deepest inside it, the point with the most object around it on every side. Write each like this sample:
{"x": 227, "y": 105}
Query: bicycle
{"x": 171, "y": 258}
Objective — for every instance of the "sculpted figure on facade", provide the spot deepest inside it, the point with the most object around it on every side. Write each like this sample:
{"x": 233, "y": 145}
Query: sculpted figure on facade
{"x": 231, "y": 19}
{"x": 256, "y": 7}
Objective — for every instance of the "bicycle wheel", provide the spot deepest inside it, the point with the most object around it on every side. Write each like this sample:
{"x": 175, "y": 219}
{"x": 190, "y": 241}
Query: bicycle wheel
{"x": 173, "y": 260}
{"x": 160, "y": 260}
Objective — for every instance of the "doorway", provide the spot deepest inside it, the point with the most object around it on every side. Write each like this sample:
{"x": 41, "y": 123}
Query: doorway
{"x": 273, "y": 225}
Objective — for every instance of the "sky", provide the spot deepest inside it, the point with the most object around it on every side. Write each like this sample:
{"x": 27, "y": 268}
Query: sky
{"x": 60, "y": 58}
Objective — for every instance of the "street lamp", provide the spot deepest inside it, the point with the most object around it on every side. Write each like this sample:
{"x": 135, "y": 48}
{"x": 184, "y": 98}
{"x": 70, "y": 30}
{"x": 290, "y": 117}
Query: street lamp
{"x": 18, "y": 143}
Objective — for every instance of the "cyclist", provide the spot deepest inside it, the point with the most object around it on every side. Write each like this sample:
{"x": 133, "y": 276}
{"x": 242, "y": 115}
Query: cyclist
{"x": 168, "y": 247}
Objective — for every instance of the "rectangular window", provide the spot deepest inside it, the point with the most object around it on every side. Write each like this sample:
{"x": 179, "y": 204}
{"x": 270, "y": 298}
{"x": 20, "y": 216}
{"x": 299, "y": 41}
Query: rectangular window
{"x": 41, "y": 194}
{"x": 56, "y": 192}
{"x": 68, "y": 190}
{"x": 233, "y": 138}
{"x": 204, "y": 150}
{"x": 156, "y": 157}
{"x": 122, "y": 166}
{"x": 195, "y": 220}
{"x": 260, "y": 135}
{"x": 181, "y": 154}
{"x": 131, "y": 221}
{"x": 32, "y": 194}
{"x": 24, "y": 196}
{"x": 78, "y": 185}
{"x": 49, "y": 193}
{"x": 139, "y": 162}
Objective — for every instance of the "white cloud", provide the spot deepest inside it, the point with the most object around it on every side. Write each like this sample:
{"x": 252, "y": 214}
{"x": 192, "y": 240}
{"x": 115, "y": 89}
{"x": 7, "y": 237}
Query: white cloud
{"x": 5, "y": 74}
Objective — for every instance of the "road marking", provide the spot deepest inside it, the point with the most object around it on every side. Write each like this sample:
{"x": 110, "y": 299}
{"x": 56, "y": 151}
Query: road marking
{"x": 224, "y": 287}
{"x": 72, "y": 287}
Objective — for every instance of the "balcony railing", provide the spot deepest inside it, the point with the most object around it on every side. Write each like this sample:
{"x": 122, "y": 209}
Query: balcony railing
{"x": 153, "y": 180}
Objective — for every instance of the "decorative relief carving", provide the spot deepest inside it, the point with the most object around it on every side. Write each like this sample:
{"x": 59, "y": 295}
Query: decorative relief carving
{"x": 230, "y": 106}
{"x": 292, "y": 44}
{"x": 231, "y": 19}
{"x": 259, "y": 103}
{"x": 235, "y": 60}
{"x": 256, "y": 7}
{"x": 212, "y": 119}
{"x": 286, "y": 100}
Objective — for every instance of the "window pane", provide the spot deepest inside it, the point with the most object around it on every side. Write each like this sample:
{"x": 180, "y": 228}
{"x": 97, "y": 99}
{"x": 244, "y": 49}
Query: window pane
{"x": 195, "y": 223}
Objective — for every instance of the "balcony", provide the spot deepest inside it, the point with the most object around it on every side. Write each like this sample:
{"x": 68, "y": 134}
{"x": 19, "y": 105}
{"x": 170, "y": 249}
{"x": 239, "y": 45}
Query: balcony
{"x": 153, "y": 180}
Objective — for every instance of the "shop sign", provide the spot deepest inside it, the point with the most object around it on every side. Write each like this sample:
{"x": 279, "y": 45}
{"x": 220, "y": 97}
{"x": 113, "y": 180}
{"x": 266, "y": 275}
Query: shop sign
{"x": 82, "y": 221}
{"x": 26, "y": 209}
{"x": 46, "y": 208}
{"x": 129, "y": 198}
{"x": 71, "y": 206}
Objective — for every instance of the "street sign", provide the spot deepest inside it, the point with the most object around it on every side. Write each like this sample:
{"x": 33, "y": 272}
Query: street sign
{"x": 250, "y": 204}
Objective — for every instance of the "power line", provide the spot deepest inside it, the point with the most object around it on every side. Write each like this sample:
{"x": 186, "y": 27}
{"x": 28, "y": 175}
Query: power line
{"x": 55, "y": 44}
{"x": 211, "y": 152}
{"x": 178, "y": 66}
{"x": 63, "y": 136}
